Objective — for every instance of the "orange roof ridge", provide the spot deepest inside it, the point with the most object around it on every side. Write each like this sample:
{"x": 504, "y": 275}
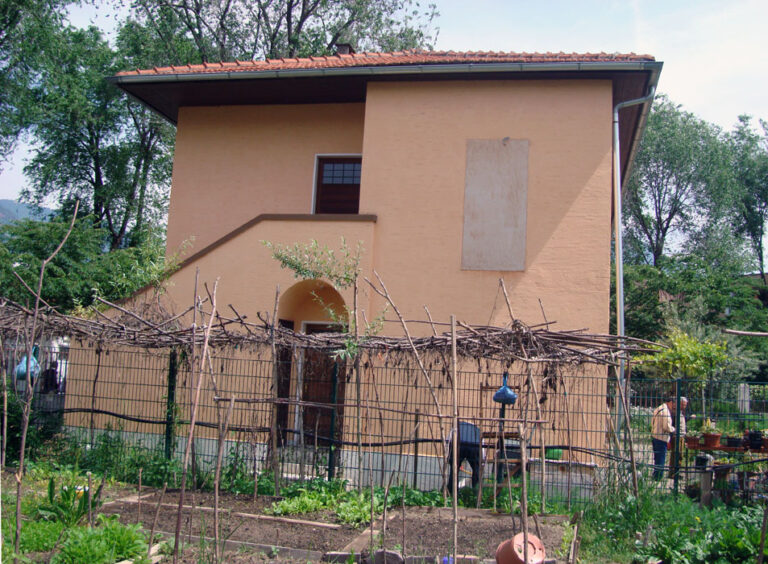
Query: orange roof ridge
{"x": 395, "y": 58}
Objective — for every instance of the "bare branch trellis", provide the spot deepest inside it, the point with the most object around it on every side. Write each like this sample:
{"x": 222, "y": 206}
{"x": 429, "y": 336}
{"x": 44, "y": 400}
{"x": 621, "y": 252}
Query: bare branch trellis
{"x": 148, "y": 325}
{"x": 157, "y": 329}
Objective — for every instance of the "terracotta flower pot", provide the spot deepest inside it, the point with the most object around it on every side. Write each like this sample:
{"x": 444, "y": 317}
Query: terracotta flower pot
{"x": 711, "y": 440}
{"x": 692, "y": 442}
{"x": 511, "y": 550}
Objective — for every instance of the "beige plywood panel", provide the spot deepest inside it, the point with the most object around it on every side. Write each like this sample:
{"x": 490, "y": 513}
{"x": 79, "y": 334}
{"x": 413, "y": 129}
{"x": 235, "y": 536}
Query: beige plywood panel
{"x": 495, "y": 201}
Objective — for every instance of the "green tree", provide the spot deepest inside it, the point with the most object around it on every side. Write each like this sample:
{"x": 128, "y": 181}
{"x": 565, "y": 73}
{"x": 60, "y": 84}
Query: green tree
{"x": 243, "y": 29}
{"x": 687, "y": 357}
{"x": 93, "y": 145}
{"x": 681, "y": 162}
{"x": 81, "y": 269}
{"x": 728, "y": 298}
{"x": 26, "y": 27}
{"x": 749, "y": 196}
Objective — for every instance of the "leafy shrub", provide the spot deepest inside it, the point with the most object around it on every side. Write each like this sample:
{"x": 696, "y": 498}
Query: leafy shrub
{"x": 267, "y": 483}
{"x": 36, "y": 536}
{"x": 236, "y": 477}
{"x": 679, "y": 530}
{"x": 41, "y": 429}
{"x": 108, "y": 455}
{"x": 108, "y": 542}
{"x": 39, "y": 536}
{"x": 156, "y": 469}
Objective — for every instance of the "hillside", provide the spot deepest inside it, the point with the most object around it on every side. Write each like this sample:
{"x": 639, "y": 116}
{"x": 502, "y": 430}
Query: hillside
{"x": 11, "y": 210}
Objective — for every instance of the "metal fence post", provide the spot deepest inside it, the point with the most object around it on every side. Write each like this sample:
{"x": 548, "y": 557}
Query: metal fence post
{"x": 331, "y": 449}
{"x": 416, "y": 449}
{"x": 170, "y": 403}
{"x": 676, "y": 462}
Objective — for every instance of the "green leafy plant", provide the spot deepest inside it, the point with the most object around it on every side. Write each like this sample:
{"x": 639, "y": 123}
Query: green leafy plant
{"x": 109, "y": 541}
{"x": 313, "y": 261}
{"x": 156, "y": 468}
{"x": 356, "y": 510}
{"x": 70, "y": 506}
{"x": 314, "y": 495}
{"x": 36, "y": 536}
{"x": 236, "y": 477}
{"x": 708, "y": 427}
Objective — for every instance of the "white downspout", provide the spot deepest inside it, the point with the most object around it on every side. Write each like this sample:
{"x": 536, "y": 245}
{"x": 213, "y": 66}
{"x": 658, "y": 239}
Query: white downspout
{"x": 619, "y": 251}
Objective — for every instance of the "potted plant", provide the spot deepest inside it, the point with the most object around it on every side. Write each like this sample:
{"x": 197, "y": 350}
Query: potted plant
{"x": 710, "y": 434}
{"x": 732, "y": 441}
{"x": 755, "y": 439}
{"x": 693, "y": 440}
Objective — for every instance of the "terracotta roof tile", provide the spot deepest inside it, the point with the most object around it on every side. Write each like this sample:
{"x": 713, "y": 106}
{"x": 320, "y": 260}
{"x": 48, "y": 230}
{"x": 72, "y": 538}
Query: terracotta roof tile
{"x": 396, "y": 58}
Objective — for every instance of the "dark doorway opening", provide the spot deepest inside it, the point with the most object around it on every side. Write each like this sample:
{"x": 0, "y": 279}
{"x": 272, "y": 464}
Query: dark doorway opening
{"x": 284, "y": 360}
{"x": 324, "y": 380}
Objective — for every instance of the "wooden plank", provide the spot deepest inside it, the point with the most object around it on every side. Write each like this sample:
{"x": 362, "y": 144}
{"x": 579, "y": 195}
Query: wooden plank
{"x": 287, "y": 520}
{"x": 250, "y": 515}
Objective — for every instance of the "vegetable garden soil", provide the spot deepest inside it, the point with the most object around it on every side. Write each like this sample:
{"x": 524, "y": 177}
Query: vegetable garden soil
{"x": 428, "y": 530}
{"x": 265, "y": 532}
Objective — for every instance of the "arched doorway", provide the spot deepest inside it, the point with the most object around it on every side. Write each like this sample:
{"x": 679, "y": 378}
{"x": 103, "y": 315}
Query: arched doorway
{"x": 311, "y": 306}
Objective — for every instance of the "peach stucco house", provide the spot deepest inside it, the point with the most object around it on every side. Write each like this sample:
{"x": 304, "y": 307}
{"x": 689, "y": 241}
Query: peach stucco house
{"x": 451, "y": 170}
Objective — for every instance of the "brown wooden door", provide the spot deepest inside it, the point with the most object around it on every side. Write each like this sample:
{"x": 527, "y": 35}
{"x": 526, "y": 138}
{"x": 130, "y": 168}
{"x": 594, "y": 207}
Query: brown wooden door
{"x": 324, "y": 381}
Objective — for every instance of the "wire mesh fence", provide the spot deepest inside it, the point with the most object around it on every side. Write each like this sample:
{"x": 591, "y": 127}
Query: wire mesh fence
{"x": 309, "y": 414}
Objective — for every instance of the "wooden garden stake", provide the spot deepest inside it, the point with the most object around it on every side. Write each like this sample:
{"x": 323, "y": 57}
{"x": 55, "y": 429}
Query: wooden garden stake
{"x": 524, "y": 492}
{"x": 255, "y": 475}
{"x": 481, "y": 469}
{"x": 138, "y": 508}
{"x": 543, "y": 451}
{"x": 384, "y": 293}
{"x": 192, "y": 421}
{"x": 90, "y": 499}
{"x": 570, "y": 442}
{"x": 370, "y": 467}
{"x": 761, "y": 553}
{"x": 217, "y": 477}
{"x": 275, "y": 377}
{"x": 154, "y": 519}
{"x": 538, "y": 526}
{"x": 573, "y": 551}
{"x": 456, "y": 438}
{"x": 625, "y": 406}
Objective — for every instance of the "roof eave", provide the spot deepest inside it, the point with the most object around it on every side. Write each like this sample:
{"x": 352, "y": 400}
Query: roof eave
{"x": 388, "y": 70}
{"x": 653, "y": 83}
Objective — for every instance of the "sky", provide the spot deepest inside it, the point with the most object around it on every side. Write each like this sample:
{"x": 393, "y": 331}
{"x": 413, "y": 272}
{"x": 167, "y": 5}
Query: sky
{"x": 715, "y": 53}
